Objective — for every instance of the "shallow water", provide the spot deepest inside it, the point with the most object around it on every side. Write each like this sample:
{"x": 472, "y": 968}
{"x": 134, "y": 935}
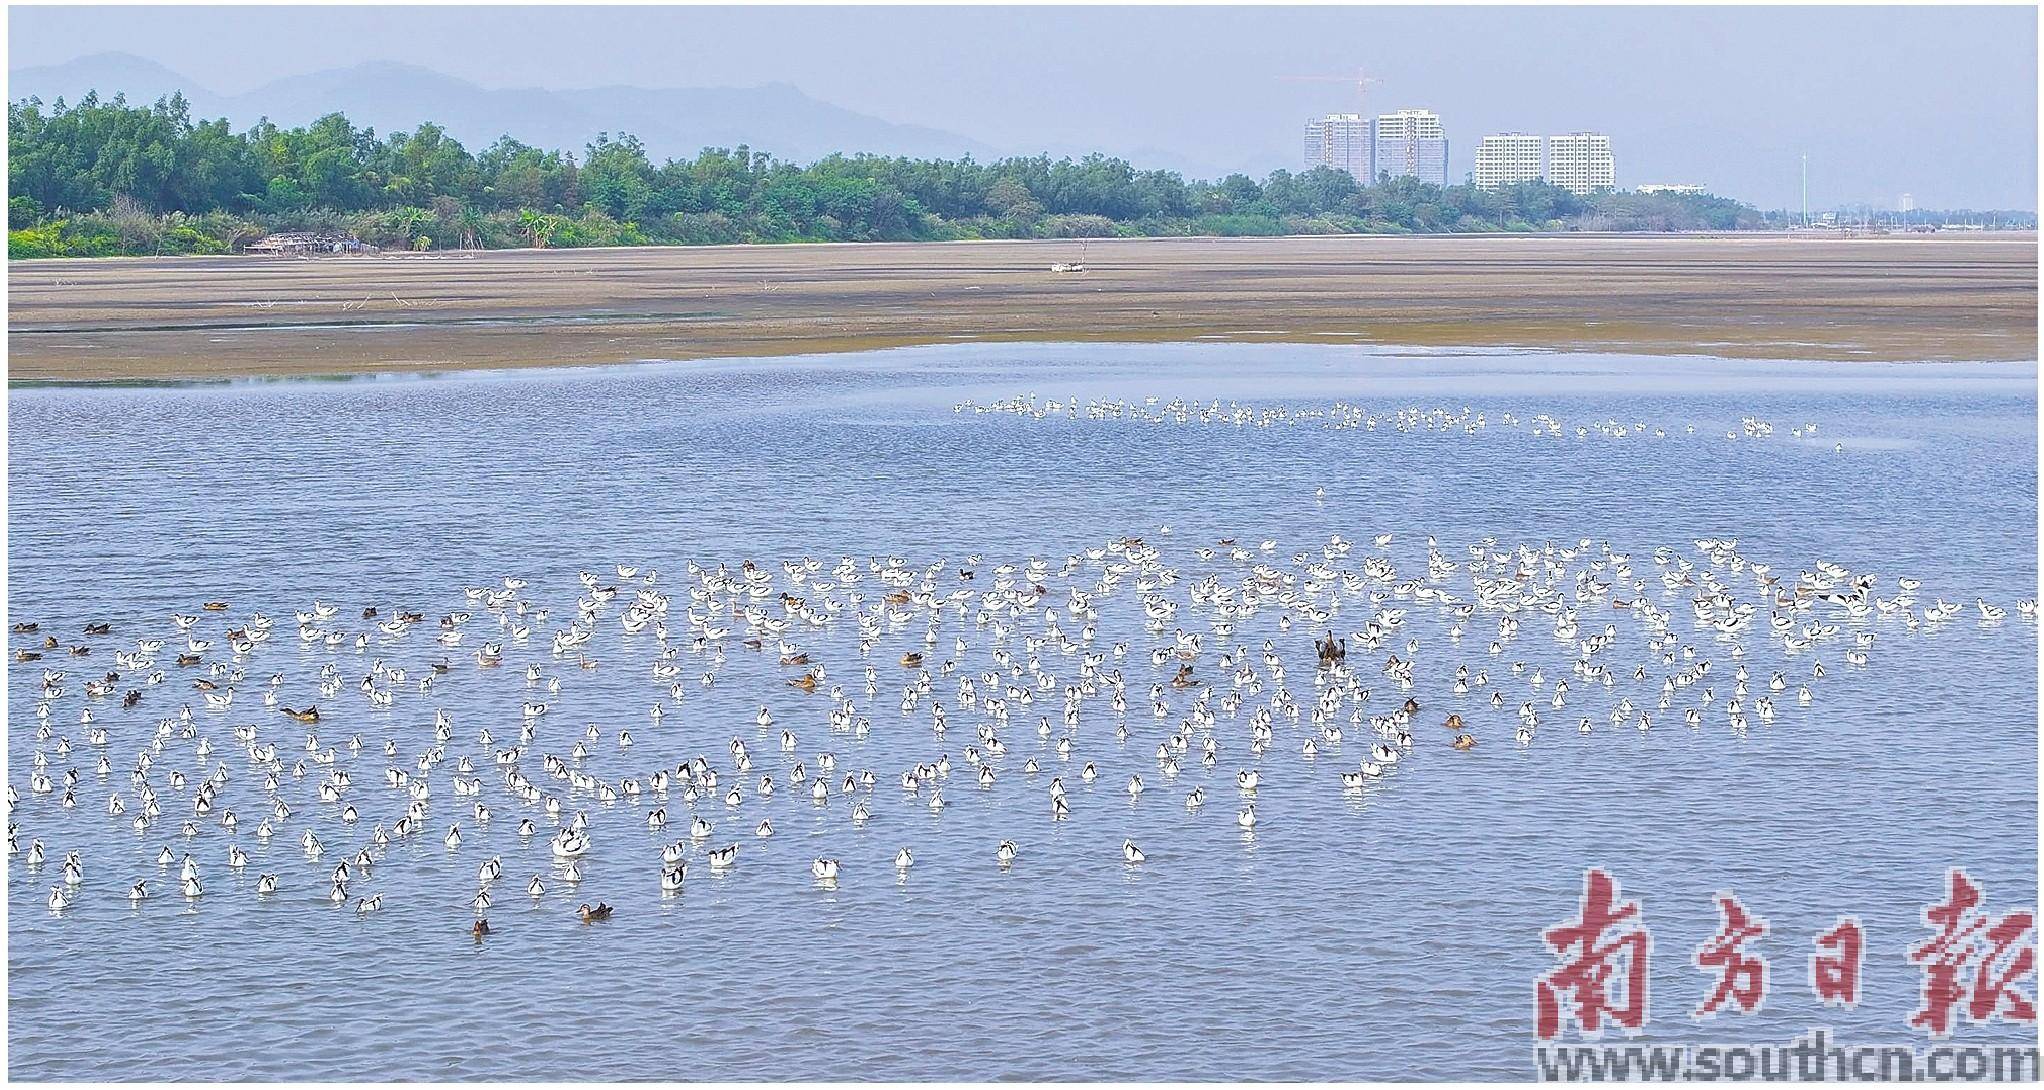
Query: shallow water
{"x": 1393, "y": 934}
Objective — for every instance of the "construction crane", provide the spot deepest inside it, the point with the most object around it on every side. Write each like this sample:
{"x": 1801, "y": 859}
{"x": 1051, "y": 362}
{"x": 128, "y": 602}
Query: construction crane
{"x": 1361, "y": 81}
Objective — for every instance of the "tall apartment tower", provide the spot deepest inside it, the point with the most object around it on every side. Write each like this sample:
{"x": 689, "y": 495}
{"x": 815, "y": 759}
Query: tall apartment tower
{"x": 1581, "y": 163}
{"x": 1410, "y": 143}
{"x": 1341, "y": 141}
{"x": 1507, "y": 158}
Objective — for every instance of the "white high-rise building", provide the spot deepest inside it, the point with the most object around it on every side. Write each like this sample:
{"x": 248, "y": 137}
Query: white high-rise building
{"x": 1412, "y": 143}
{"x": 1341, "y": 141}
{"x": 1581, "y": 163}
{"x": 1507, "y": 158}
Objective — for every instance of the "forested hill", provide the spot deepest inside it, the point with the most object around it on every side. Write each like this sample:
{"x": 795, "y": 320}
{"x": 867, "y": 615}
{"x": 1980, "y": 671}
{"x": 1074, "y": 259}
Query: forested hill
{"x": 104, "y": 178}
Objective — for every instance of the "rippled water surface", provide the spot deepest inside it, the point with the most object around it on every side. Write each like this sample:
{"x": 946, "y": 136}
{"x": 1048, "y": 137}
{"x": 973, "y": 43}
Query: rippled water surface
{"x": 1392, "y": 932}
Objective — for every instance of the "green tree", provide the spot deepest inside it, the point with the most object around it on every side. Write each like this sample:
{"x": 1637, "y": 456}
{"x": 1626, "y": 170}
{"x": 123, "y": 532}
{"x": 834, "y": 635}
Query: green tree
{"x": 107, "y": 176}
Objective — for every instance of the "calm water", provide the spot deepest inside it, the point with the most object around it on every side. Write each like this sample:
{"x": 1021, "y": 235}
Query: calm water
{"x": 1392, "y": 933}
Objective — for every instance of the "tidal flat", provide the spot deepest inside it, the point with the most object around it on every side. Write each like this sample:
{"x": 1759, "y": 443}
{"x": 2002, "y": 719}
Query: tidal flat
{"x": 1896, "y": 298}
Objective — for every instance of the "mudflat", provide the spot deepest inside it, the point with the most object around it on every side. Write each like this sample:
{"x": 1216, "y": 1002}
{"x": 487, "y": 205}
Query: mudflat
{"x": 1754, "y": 296}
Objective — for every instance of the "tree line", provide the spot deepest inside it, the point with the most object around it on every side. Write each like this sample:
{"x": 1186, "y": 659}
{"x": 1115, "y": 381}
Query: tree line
{"x": 103, "y": 177}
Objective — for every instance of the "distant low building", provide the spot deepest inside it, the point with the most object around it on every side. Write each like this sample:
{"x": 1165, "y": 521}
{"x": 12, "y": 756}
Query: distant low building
{"x": 1666, "y": 187}
{"x": 308, "y": 242}
{"x": 1508, "y": 158}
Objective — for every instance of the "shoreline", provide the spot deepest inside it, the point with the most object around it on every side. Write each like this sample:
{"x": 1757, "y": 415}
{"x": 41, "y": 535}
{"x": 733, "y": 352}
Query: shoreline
{"x": 1403, "y": 353}
{"x": 1873, "y": 299}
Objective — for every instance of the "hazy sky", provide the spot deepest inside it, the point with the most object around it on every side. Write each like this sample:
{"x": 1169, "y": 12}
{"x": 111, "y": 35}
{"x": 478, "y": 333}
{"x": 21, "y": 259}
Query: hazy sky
{"x": 1938, "y": 102}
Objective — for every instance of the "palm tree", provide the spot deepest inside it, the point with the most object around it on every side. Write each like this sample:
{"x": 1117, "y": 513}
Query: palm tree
{"x": 470, "y": 221}
{"x": 407, "y": 221}
{"x": 538, "y": 227}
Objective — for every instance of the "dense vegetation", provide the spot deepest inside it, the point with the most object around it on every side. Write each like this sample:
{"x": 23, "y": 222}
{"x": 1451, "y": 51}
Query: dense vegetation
{"x": 101, "y": 178}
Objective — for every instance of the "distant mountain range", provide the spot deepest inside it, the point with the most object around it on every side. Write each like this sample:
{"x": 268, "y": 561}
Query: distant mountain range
{"x": 391, "y": 97}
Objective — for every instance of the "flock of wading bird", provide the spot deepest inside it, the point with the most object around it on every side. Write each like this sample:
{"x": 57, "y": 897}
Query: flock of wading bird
{"x": 1347, "y": 416}
{"x": 1218, "y": 661}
